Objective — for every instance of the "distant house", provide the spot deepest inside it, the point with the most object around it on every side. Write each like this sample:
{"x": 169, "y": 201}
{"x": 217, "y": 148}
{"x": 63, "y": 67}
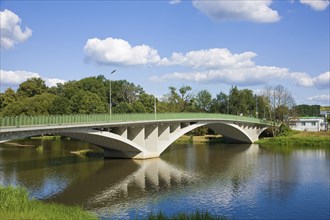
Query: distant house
{"x": 308, "y": 124}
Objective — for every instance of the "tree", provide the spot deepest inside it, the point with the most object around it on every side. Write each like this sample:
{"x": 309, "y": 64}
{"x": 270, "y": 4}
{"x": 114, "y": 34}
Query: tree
{"x": 97, "y": 85}
{"x": 31, "y": 87}
{"x": 124, "y": 91}
{"x": 204, "y": 100}
{"x": 60, "y": 106}
{"x": 36, "y": 105}
{"x": 8, "y": 97}
{"x": 279, "y": 103}
{"x": 180, "y": 102}
{"x": 220, "y": 104}
{"x": 307, "y": 110}
{"x": 85, "y": 102}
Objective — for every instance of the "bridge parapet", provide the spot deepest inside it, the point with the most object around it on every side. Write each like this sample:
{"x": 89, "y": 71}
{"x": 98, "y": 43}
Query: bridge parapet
{"x": 44, "y": 120}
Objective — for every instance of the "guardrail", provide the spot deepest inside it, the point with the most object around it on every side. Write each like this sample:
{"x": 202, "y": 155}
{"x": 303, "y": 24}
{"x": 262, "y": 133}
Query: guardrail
{"x": 30, "y": 121}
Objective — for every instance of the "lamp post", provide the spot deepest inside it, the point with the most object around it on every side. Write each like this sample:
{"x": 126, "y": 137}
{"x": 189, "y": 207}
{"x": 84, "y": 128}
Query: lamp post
{"x": 155, "y": 107}
{"x": 110, "y": 104}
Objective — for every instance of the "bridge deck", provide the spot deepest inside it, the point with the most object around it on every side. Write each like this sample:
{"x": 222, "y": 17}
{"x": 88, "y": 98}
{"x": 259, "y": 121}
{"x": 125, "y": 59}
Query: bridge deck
{"x": 52, "y": 120}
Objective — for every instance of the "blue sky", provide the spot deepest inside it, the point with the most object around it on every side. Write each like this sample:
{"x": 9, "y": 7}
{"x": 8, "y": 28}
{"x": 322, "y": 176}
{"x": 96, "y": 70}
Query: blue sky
{"x": 205, "y": 44}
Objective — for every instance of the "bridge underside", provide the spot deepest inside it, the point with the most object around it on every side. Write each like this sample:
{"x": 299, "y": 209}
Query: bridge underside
{"x": 150, "y": 140}
{"x": 144, "y": 139}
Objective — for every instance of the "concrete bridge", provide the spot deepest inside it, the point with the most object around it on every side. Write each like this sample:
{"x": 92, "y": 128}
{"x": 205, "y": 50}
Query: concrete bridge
{"x": 138, "y": 136}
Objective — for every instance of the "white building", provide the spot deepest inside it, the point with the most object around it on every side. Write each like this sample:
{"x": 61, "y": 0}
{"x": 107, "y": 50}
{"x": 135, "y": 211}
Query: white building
{"x": 308, "y": 124}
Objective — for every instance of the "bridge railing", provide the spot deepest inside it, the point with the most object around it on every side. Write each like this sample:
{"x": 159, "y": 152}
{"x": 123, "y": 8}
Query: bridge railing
{"x": 47, "y": 120}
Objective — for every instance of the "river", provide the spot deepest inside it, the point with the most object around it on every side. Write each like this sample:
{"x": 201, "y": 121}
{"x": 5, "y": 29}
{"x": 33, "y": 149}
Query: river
{"x": 236, "y": 181}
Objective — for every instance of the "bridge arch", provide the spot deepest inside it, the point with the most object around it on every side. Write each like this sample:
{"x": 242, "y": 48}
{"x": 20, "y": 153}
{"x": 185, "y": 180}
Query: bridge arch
{"x": 152, "y": 139}
{"x": 142, "y": 139}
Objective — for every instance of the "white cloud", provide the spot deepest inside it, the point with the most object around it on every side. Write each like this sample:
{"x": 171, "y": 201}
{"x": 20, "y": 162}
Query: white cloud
{"x": 53, "y": 81}
{"x": 212, "y": 58}
{"x": 112, "y": 51}
{"x": 302, "y": 79}
{"x": 253, "y": 75}
{"x": 320, "y": 99}
{"x": 321, "y": 81}
{"x": 174, "y": 2}
{"x": 317, "y": 5}
{"x": 255, "y": 11}
{"x": 11, "y": 32}
{"x": 14, "y": 78}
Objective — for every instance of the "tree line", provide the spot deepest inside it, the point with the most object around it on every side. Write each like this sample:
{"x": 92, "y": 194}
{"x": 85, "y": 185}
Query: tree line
{"x": 91, "y": 95}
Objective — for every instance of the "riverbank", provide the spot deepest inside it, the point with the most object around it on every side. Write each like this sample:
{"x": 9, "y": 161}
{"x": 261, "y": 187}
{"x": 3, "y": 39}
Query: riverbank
{"x": 15, "y": 204}
{"x": 299, "y": 138}
{"x": 200, "y": 139}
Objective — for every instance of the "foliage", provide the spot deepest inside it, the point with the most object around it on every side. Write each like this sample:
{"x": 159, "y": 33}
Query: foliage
{"x": 203, "y": 100}
{"x": 15, "y": 204}
{"x": 91, "y": 95}
{"x": 36, "y": 105}
{"x": 31, "y": 87}
{"x": 284, "y": 130}
{"x": 179, "y": 102}
{"x": 279, "y": 101}
{"x": 7, "y": 98}
{"x": 307, "y": 110}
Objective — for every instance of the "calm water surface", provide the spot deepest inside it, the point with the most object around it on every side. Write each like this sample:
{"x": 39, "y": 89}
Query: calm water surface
{"x": 237, "y": 181}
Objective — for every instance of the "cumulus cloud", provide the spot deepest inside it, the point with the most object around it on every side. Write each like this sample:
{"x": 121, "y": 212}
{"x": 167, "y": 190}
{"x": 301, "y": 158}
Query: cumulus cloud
{"x": 14, "y": 78}
{"x": 212, "y": 58}
{"x": 255, "y": 11}
{"x": 320, "y": 99}
{"x": 252, "y": 75}
{"x": 111, "y": 51}
{"x": 321, "y": 81}
{"x": 317, "y": 5}
{"x": 11, "y": 31}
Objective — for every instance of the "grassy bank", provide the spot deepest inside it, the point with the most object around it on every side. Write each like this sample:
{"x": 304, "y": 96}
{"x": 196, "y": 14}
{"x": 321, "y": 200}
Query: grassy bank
{"x": 15, "y": 204}
{"x": 299, "y": 138}
{"x": 200, "y": 139}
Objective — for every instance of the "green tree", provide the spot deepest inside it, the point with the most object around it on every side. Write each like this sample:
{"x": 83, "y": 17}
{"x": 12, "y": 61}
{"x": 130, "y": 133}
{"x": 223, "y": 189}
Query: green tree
{"x": 204, "y": 100}
{"x": 31, "y": 87}
{"x": 60, "y": 106}
{"x": 8, "y": 97}
{"x": 85, "y": 102}
{"x": 148, "y": 101}
{"x": 179, "y": 102}
{"x": 36, "y": 105}
{"x": 220, "y": 104}
{"x": 307, "y": 110}
{"x": 124, "y": 91}
{"x": 97, "y": 85}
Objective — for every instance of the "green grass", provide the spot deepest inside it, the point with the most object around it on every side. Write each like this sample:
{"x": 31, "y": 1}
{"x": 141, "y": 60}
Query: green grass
{"x": 300, "y": 139}
{"x": 15, "y": 204}
{"x": 184, "y": 216}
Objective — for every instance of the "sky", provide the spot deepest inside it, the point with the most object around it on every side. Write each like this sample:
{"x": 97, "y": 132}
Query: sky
{"x": 210, "y": 45}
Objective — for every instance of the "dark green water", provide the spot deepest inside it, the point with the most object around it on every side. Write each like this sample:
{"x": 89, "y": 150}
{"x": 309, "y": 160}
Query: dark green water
{"x": 237, "y": 181}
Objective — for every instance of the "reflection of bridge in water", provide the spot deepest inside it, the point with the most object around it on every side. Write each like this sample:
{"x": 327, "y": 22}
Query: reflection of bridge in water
{"x": 153, "y": 174}
{"x": 126, "y": 179}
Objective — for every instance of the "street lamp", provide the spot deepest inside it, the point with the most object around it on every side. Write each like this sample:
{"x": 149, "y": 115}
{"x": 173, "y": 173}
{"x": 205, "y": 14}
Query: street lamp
{"x": 155, "y": 108}
{"x": 110, "y": 104}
